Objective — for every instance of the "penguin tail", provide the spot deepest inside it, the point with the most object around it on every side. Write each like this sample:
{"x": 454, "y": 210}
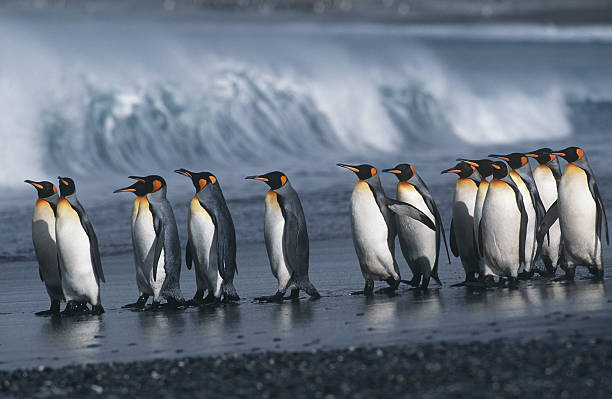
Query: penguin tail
{"x": 310, "y": 289}
{"x": 229, "y": 291}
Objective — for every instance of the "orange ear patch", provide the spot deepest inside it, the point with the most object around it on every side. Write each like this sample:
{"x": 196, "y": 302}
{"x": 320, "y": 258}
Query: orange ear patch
{"x": 213, "y": 179}
{"x": 54, "y": 189}
{"x": 283, "y": 180}
{"x": 524, "y": 161}
{"x": 412, "y": 169}
{"x": 580, "y": 153}
{"x": 202, "y": 183}
{"x": 373, "y": 171}
{"x": 156, "y": 185}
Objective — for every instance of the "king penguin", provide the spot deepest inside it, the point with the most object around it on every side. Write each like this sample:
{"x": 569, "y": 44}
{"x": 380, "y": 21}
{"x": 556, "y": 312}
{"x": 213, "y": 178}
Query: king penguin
{"x": 79, "y": 256}
{"x": 142, "y": 282}
{"x": 286, "y": 237}
{"x": 374, "y": 228}
{"x": 420, "y": 245}
{"x": 502, "y": 230}
{"x": 462, "y": 241}
{"x": 45, "y": 246}
{"x": 211, "y": 243}
{"x": 547, "y": 176}
{"x": 581, "y": 214}
{"x": 158, "y": 245}
{"x": 521, "y": 174}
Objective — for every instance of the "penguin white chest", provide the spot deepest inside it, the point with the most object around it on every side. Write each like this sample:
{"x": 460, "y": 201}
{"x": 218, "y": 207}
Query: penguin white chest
{"x": 274, "y": 225}
{"x": 577, "y": 217}
{"x": 370, "y": 233}
{"x": 201, "y": 231}
{"x": 417, "y": 240}
{"x": 78, "y": 278}
{"x": 144, "y": 238}
{"x": 43, "y": 237}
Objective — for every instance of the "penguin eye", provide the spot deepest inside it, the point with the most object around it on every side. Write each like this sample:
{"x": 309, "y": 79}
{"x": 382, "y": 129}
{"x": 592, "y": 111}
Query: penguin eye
{"x": 202, "y": 183}
{"x": 212, "y": 179}
{"x": 156, "y": 185}
{"x": 579, "y": 152}
{"x": 283, "y": 180}
{"x": 373, "y": 171}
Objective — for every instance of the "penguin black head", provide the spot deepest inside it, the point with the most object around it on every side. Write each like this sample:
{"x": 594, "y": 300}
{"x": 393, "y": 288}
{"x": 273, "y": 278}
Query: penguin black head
{"x": 152, "y": 183}
{"x": 403, "y": 171}
{"x": 462, "y": 169}
{"x": 543, "y": 155}
{"x": 138, "y": 188}
{"x": 483, "y": 166}
{"x": 67, "y": 186}
{"x": 275, "y": 179}
{"x": 199, "y": 179}
{"x": 363, "y": 172}
{"x": 45, "y": 188}
{"x": 500, "y": 170}
{"x": 516, "y": 160}
{"x": 571, "y": 154}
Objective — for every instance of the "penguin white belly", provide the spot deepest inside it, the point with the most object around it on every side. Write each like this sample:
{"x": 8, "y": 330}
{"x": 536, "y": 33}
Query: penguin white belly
{"x": 201, "y": 232}
{"x": 501, "y": 224}
{"x": 78, "y": 279}
{"x": 577, "y": 217}
{"x": 144, "y": 237}
{"x": 481, "y": 195}
{"x": 463, "y": 222}
{"x": 418, "y": 242}
{"x": 530, "y": 238}
{"x": 547, "y": 187}
{"x": 274, "y": 225}
{"x": 43, "y": 237}
{"x": 370, "y": 234}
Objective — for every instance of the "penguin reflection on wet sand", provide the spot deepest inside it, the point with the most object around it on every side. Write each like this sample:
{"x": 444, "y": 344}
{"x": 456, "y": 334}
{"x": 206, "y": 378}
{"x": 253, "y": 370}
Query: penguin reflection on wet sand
{"x": 142, "y": 281}
{"x": 79, "y": 256}
{"x": 157, "y": 243}
{"x": 581, "y": 214}
{"x": 420, "y": 245}
{"x": 374, "y": 228}
{"x": 211, "y": 242}
{"x": 286, "y": 237}
{"x": 45, "y": 246}
{"x": 462, "y": 234}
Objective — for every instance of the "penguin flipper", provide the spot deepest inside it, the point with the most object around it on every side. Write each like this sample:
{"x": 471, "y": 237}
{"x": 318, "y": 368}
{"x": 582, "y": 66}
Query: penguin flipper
{"x": 94, "y": 251}
{"x": 548, "y": 220}
{"x": 404, "y": 209}
{"x": 188, "y": 256}
{"x": 295, "y": 245}
{"x": 422, "y": 188}
{"x": 601, "y": 210}
{"x": 158, "y": 244}
{"x": 453, "y": 240}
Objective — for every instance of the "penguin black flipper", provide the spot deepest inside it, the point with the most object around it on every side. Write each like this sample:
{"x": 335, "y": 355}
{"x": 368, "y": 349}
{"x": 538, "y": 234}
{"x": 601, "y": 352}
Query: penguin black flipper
{"x": 295, "y": 243}
{"x": 453, "y": 240}
{"x": 521, "y": 207}
{"x": 188, "y": 256}
{"x": 158, "y": 244}
{"x": 601, "y": 210}
{"x": 404, "y": 209}
{"x": 555, "y": 168}
{"x": 226, "y": 248}
{"x": 551, "y": 216}
{"x": 94, "y": 250}
{"x": 535, "y": 196}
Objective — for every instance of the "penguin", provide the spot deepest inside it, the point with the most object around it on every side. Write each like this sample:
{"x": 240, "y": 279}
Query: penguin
{"x": 157, "y": 243}
{"x": 522, "y": 176}
{"x": 420, "y": 245}
{"x": 286, "y": 238}
{"x": 45, "y": 246}
{"x": 547, "y": 176}
{"x": 79, "y": 255}
{"x": 462, "y": 234}
{"x": 144, "y": 291}
{"x": 503, "y": 226}
{"x": 484, "y": 168}
{"x": 581, "y": 215}
{"x": 211, "y": 242}
{"x": 374, "y": 228}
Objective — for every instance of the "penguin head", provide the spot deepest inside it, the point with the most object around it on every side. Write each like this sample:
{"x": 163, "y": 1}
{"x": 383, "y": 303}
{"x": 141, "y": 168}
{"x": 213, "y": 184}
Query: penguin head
{"x": 67, "y": 186}
{"x": 462, "y": 169}
{"x": 500, "y": 170}
{"x": 363, "y": 172}
{"x": 403, "y": 171}
{"x": 516, "y": 160}
{"x": 152, "y": 183}
{"x": 45, "y": 188}
{"x": 571, "y": 154}
{"x": 200, "y": 180}
{"x": 543, "y": 155}
{"x": 275, "y": 179}
{"x": 483, "y": 166}
{"x": 138, "y": 188}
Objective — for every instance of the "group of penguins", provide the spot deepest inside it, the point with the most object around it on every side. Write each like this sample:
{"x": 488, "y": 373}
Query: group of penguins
{"x": 499, "y": 227}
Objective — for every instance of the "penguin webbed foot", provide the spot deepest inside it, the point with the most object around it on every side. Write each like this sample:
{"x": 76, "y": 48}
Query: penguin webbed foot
{"x": 513, "y": 283}
{"x": 414, "y": 282}
{"x": 524, "y": 275}
{"x": 295, "y": 294}
{"x": 140, "y": 303}
{"x": 565, "y": 277}
{"x": 54, "y": 309}
{"x": 368, "y": 290}
{"x": 278, "y": 297}
{"x": 97, "y": 309}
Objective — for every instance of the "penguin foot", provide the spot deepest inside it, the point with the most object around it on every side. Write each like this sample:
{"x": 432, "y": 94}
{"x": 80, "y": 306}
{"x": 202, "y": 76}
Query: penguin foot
{"x": 596, "y": 274}
{"x": 74, "y": 308}
{"x": 526, "y": 275}
{"x": 566, "y": 277}
{"x": 212, "y": 301}
{"x": 53, "y": 310}
{"x": 174, "y": 303}
{"x": 278, "y": 297}
{"x": 231, "y": 298}
{"x": 139, "y": 304}
{"x": 547, "y": 273}
{"x": 461, "y": 284}
{"x": 97, "y": 309}
{"x": 425, "y": 284}
{"x": 414, "y": 282}
{"x": 295, "y": 294}
{"x": 155, "y": 306}
{"x": 513, "y": 283}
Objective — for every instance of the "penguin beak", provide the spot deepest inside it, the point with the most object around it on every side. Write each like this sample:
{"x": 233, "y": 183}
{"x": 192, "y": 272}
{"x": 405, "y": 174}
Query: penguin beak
{"x": 61, "y": 179}
{"x": 470, "y": 163}
{"x": 349, "y": 167}
{"x": 257, "y": 178}
{"x": 531, "y": 155}
{"x": 38, "y": 186}
{"x": 561, "y": 154}
{"x": 129, "y": 189}
{"x": 394, "y": 171}
{"x": 183, "y": 172}
{"x": 451, "y": 170}
{"x": 141, "y": 179}
{"x": 502, "y": 157}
